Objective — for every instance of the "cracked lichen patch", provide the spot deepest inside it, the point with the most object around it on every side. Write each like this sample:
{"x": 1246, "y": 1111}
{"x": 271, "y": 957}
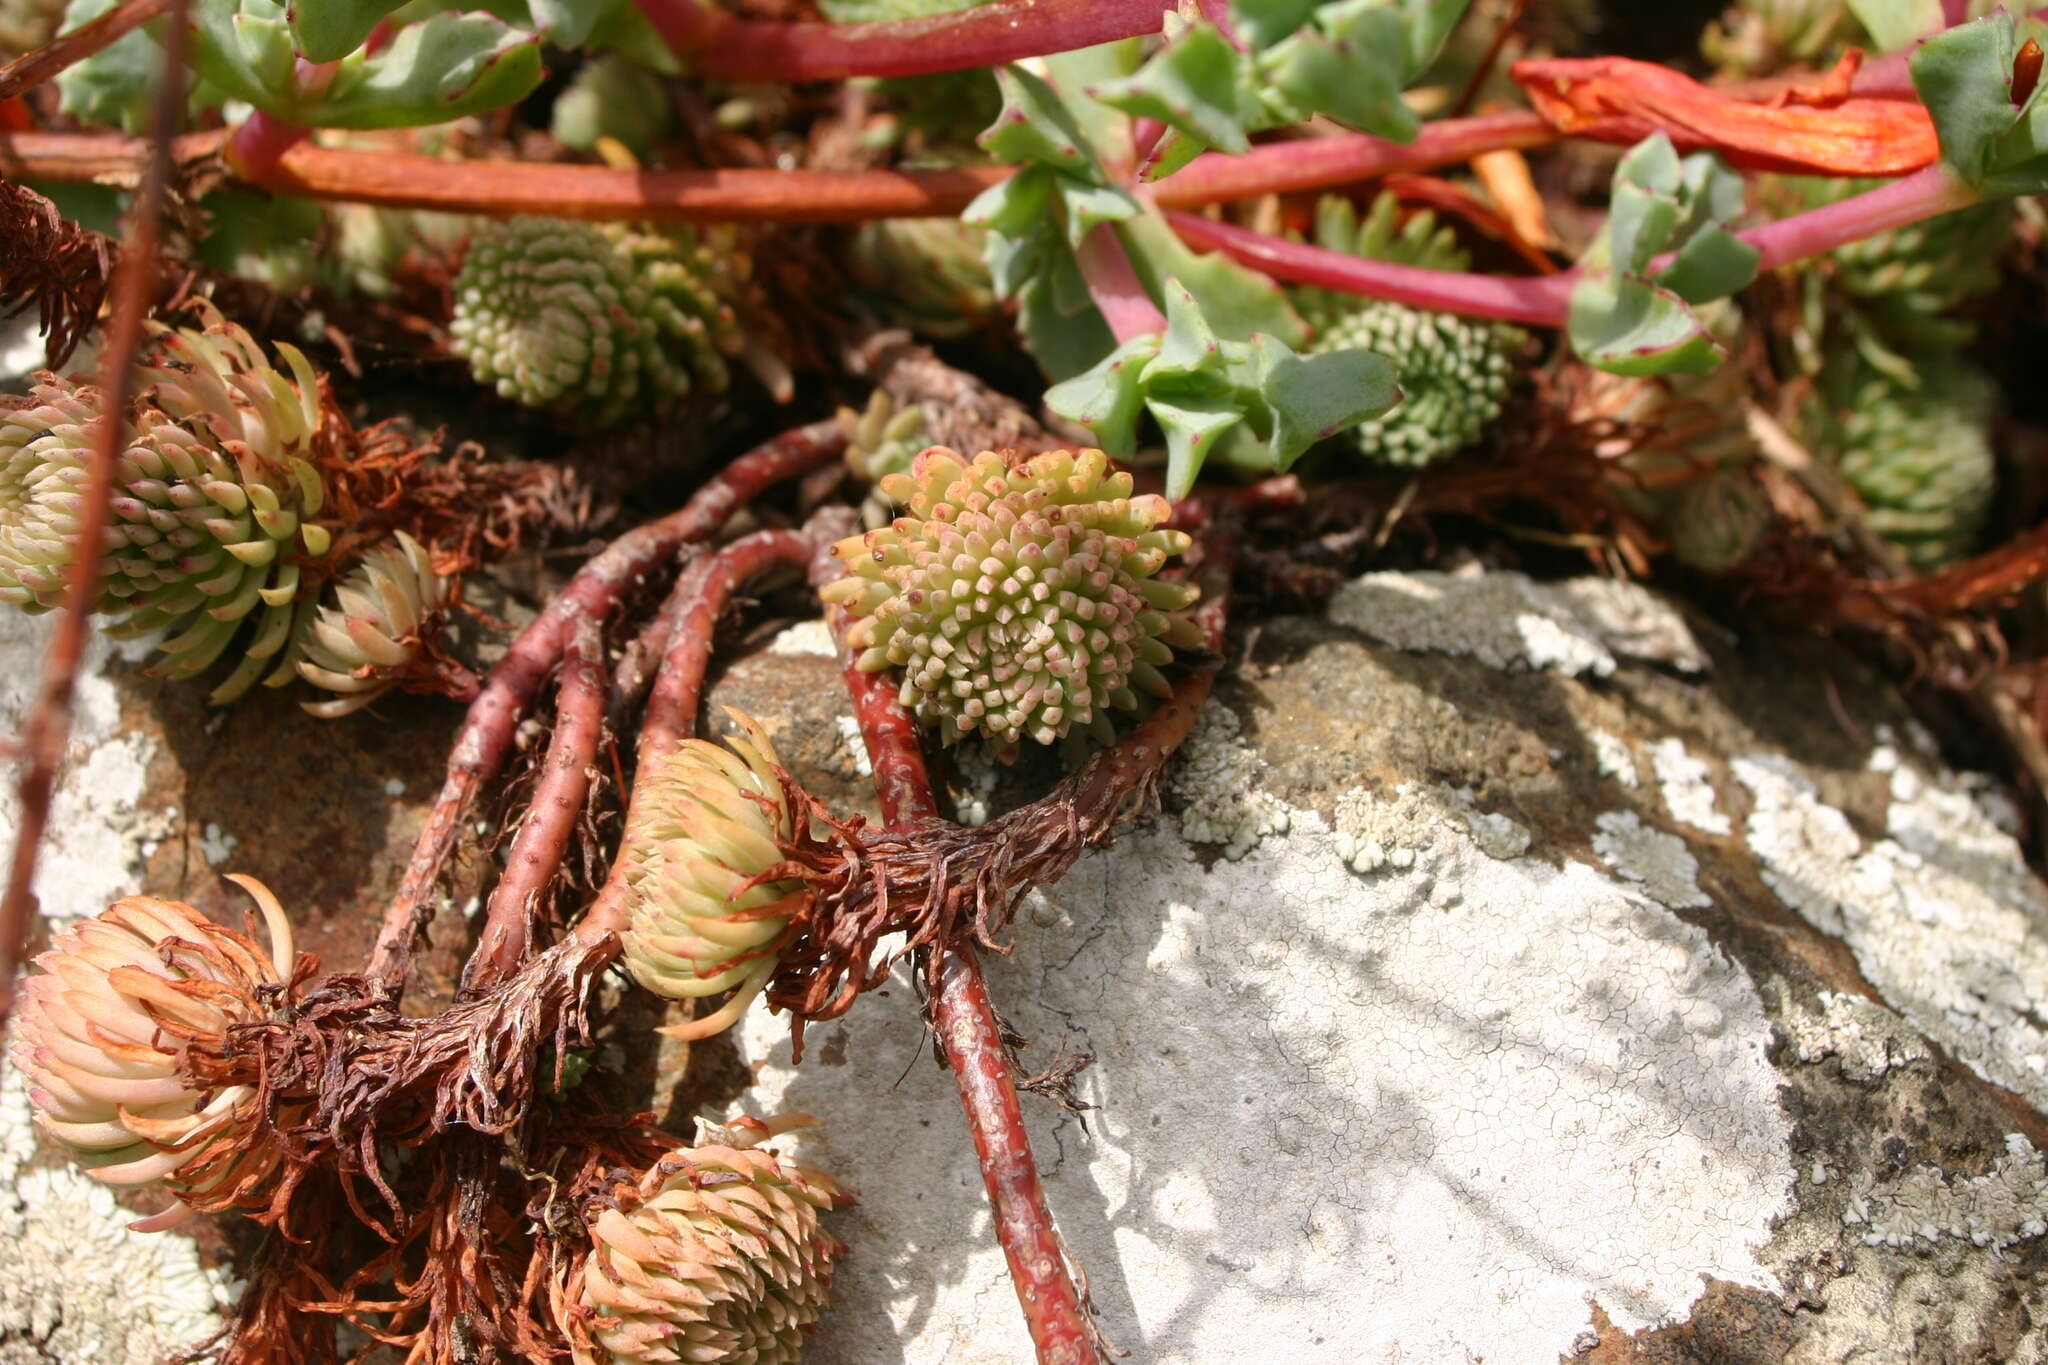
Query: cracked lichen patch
{"x": 1943, "y": 916}
{"x": 1507, "y": 620}
{"x": 1213, "y": 783}
{"x": 2006, "y": 1205}
{"x": 1866, "y": 1039}
{"x": 1687, "y": 786}
{"x": 1335, "y": 1120}
{"x": 98, "y": 831}
{"x": 1660, "y": 863}
{"x": 1414, "y": 829}
{"x": 65, "y": 1244}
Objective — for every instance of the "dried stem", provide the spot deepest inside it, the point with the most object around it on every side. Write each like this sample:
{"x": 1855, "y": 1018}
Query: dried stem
{"x": 485, "y": 740}
{"x": 48, "y": 730}
{"x": 553, "y": 814}
{"x": 31, "y": 69}
{"x": 721, "y": 47}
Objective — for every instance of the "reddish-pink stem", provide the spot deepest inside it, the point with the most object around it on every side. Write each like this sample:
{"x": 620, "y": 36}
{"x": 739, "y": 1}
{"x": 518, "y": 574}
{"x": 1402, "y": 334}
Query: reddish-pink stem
{"x": 1539, "y": 300}
{"x": 1115, "y": 286}
{"x": 259, "y": 142}
{"x": 558, "y": 801}
{"x": 48, "y": 730}
{"x": 485, "y": 739}
{"x": 700, "y": 597}
{"x": 964, "y": 1022}
{"x": 722, "y": 47}
{"x": 706, "y": 587}
{"x": 1923, "y": 194}
{"x": 31, "y": 69}
{"x": 1314, "y": 162}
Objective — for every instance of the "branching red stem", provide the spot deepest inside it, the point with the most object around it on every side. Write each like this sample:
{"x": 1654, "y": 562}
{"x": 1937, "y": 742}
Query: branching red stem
{"x": 1114, "y": 285}
{"x": 485, "y": 739}
{"x": 552, "y": 816}
{"x": 722, "y": 47}
{"x": 259, "y": 142}
{"x": 48, "y": 730}
{"x": 31, "y": 69}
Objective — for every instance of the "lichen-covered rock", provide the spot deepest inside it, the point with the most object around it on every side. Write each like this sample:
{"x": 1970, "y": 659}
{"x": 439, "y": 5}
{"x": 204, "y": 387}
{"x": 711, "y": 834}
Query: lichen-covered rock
{"x": 1018, "y": 595}
{"x": 603, "y": 321}
{"x": 717, "y": 1254}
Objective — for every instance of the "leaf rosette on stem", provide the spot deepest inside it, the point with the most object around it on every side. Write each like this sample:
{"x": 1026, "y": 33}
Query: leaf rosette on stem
{"x": 102, "y": 1032}
{"x": 1018, "y": 596}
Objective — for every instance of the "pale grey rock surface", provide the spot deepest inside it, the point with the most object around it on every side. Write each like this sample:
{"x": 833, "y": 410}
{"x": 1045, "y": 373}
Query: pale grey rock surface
{"x": 1667, "y": 1022}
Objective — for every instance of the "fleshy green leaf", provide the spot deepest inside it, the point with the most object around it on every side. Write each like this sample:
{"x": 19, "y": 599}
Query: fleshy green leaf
{"x": 1964, "y": 77}
{"x": 1087, "y": 204}
{"x": 568, "y": 23}
{"x": 1107, "y": 399}
{"x": 1894, "y": 23}
{"x": 1712, "y": 265}
{"x": 328, "y": 30}
{"x": 1194, "y": 83}
{"x": 1012, "y": 206}
{"x": 1263, "y": 23}
{"x": 1625, "y": 326}
{"x": 1237, "y": 302}
{"x": 1313, "y": 398}
{"x": 1192, "y": 422}
{"x": 1035, "y": 125}
{"x": 1352, "y": 71}
{"x": 439, "y": 68}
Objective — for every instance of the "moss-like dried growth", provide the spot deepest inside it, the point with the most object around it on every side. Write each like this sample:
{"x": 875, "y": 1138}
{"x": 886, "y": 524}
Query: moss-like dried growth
{"x": 603, "y": 321}
{"x": 716, "y": 1254}
{"x": 1018, "y": 595}
{"x": 706, "y": 825}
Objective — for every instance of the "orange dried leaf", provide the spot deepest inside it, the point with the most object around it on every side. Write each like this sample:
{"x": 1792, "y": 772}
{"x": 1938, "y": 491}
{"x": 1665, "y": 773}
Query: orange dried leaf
{"x": 1804, "y": 131}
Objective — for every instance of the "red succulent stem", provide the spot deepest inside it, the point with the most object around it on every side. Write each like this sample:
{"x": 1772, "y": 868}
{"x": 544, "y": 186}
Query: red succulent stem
{"x": 31, "y": 69}
{"x": 969, "y": 1035}
{"x": 1925, "y": 193}
{"x": 1114, "y": 285}
{"x": 719, "y": 46}
{"x": 48, "y": 730}
{"x": 485, "y": 740}
{"x": 1317, "y": 162}
{"x": 259, "y": 142}
{"x": 1538, "y": 300}
{"x": 559, "y": 798}
{"x": 704, "y": 591}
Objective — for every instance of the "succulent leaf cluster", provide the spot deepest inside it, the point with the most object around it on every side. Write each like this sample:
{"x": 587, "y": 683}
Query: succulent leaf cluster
{"x": 103, "y": 1025}
{"x": 1018, "y": 595}
{"x": 375, "y": 627}
{"x": 603, "y": 320}
{"x": 717, "y": 1254}
{"x": 613, "y": 96}
{"x": 1920, "y": 457}
{"x": 1454, "y": 372}
{"x": 213, "y": 501}
{"x": 1631, "y": 315}
{"x": 926, "y": 274}
{"x": 707, "y": 824}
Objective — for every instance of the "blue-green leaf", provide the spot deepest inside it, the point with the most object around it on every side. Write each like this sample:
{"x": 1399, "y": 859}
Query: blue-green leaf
{"x": 1036, "y": 126}
{"x": 1195, "y": 83}
{"x": 568, "y": 23}
{"x": 1313, "y": 398}
{"x": 1107, "y": 399}
{"x": 1713, "y": 264}
{"x": 1626, "y": 326}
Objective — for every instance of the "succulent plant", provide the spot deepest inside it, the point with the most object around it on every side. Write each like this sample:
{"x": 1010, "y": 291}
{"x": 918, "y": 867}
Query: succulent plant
{"x": 1920, "y": 458}
{"x": 27, "y": 24}
{"x": 103, "y": 1026}
{"x": 1017, "y": 593}
{"x": 213, "y": 501}
{"x": 716, "y": 1254}
{"x": 706, "y": 825}
{"x": 1454, "y": 372}
{"x": 601, "y": 320}
{"x": 613, "y": 96}
{"x": 926, "y": 274}
{"x": 383, "y": 615}
{"x": 1718, "y": 521}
